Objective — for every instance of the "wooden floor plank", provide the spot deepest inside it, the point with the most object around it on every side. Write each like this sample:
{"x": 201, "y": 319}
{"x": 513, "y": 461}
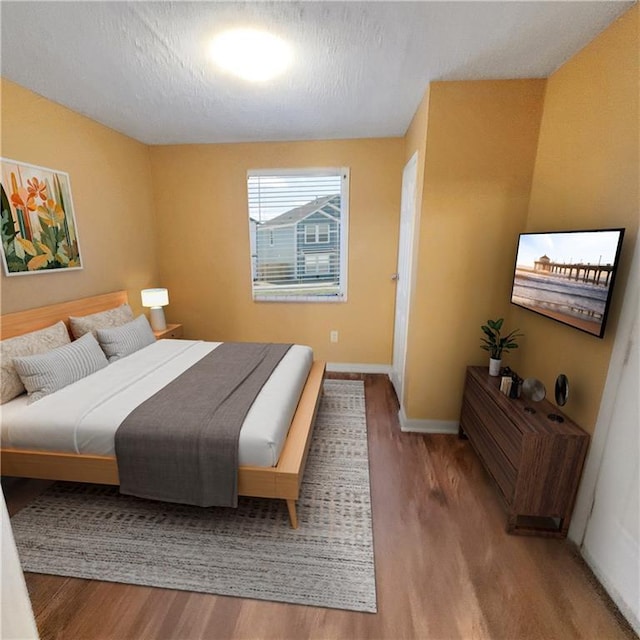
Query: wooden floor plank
{"x": 445, "y": 567}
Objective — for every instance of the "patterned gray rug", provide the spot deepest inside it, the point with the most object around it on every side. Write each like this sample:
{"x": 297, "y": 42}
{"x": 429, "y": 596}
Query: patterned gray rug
{"x": 91, "y": 531}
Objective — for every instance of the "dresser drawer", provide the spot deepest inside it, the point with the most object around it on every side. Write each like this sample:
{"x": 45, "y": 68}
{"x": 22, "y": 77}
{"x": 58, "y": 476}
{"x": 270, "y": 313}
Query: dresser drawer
{"x": 504, "y": 432}
{"x": 492, "y": 456}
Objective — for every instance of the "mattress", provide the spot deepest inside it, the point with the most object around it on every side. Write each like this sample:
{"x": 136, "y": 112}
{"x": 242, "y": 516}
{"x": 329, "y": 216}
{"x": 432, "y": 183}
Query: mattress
{"x": 83, "y": 417}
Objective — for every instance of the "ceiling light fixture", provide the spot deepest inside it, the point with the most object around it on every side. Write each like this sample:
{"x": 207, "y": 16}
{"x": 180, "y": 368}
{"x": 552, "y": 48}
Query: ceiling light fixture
{"x": 250, "y": 54}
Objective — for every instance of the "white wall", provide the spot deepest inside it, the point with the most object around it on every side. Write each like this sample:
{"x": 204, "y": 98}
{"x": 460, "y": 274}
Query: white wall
{"x": 606, "y": 521}
{"x": 17, "y": 622}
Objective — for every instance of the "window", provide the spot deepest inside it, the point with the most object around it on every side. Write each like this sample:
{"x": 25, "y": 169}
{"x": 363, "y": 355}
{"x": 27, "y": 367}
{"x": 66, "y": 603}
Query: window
{"x": 322, "y": 233}
{"x": 317, "y": 264}
{"x": 298, "y": 225}
{"x": 316, "y": 233}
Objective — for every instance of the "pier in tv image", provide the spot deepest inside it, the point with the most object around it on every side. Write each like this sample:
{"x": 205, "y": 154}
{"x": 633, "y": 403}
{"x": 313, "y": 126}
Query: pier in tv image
{"x": 568, "y": 276}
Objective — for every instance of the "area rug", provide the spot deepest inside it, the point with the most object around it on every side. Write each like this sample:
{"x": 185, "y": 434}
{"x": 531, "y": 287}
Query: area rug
{"x": 91, "y": 531}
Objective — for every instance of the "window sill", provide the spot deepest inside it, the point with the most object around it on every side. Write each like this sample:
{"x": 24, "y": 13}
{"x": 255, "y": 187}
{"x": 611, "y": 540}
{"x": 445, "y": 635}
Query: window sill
{"x": 284, "y": 298}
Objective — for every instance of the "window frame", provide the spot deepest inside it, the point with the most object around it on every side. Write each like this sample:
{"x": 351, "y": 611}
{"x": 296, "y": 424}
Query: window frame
{"x": 327, "y": 226}
{"x": 316, "y": 259}
{"x": 316, "y": 233}
{"x": 344, "y": 174}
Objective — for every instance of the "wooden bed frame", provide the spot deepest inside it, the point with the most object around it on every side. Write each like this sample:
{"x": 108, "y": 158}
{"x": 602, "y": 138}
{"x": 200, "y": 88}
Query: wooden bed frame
{"x": 282, "y": 481}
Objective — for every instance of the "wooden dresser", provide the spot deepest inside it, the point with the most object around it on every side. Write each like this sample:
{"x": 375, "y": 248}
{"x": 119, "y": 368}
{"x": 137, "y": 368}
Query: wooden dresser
{"x": 535, "y": 462}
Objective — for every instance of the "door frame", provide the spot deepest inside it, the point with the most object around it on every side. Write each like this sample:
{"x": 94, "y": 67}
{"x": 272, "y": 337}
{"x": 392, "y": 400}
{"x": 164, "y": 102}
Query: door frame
{"x": 398, "y": 376}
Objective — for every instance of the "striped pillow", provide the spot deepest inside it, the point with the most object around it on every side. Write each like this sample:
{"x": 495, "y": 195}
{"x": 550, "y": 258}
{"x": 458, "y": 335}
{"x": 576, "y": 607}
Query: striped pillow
{"x": 45, "y": 373}
{"x": 28, "y": 344}
{"x": 125, "y": 340}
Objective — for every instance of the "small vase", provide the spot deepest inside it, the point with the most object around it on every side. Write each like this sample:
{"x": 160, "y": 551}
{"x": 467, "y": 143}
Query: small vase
{"x": 494, "y": 367}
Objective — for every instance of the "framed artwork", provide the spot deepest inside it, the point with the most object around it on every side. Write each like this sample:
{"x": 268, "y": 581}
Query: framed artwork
{"x": 38, "y": 225}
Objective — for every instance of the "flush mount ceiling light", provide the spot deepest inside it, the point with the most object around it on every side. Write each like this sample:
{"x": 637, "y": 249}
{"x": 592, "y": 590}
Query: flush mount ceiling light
{"x": 250, "y": 54}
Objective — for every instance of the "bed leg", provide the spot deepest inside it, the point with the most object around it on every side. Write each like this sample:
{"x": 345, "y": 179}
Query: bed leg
{"x": 293, "y": 516}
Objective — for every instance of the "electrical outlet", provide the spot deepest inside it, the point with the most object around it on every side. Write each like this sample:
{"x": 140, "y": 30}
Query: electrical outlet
{"x": 333, "y": 336}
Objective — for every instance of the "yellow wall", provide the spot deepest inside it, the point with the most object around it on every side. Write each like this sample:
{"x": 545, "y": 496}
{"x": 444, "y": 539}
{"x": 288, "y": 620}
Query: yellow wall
{"x": 203, "y": 245}
{"x": 480, "y": 151}
{"x": 111, "y": 187}
{"x": 194, "y": 212}
{"x": 415, "y": 140}
{"x": 586, "y": 176}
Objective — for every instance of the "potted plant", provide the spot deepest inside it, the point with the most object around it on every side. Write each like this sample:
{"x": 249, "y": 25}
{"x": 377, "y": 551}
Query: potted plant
{"x": 495, "y": 343}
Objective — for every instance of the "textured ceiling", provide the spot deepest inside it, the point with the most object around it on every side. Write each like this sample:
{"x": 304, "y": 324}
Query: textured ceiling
{"x": 360, "y": 68}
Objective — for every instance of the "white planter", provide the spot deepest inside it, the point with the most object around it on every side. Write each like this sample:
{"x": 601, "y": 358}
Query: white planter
{"x": 494, "y": 367}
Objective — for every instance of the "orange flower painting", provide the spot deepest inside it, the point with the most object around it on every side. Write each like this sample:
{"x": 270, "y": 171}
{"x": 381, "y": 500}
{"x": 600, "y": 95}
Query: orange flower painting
{"x": 37, "y": 222}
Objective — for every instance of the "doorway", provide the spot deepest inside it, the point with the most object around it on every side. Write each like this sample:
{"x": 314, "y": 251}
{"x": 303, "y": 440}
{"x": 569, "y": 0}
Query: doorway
{"x": 403, "y": 274}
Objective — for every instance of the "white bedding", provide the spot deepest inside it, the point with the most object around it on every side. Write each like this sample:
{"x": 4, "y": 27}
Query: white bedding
{"x": 83, "y": 417}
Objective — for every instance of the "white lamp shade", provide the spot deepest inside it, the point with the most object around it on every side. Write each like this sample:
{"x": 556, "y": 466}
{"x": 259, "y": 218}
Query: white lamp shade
{"x": 155, "y": 297}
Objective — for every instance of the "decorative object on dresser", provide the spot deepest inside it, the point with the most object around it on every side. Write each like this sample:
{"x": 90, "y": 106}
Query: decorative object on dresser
{"x": 155, "y": 299}
{"x": 495, "y": 343}
{"x": 173, "y": 331}
{"x": 561, "y": 394}
{"x": 535, "y": 462}
{"x": 534, "y": 390}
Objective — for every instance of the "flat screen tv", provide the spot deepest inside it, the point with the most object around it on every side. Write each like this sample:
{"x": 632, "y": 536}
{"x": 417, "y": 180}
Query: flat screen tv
{"x": 568, "y": 275}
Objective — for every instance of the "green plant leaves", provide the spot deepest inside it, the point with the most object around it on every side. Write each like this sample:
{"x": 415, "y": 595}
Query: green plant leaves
{"x": 496, "y": 343}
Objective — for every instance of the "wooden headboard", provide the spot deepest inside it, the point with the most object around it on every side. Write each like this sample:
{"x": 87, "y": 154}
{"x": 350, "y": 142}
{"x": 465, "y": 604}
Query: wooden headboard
{"x": 15, "y": 324}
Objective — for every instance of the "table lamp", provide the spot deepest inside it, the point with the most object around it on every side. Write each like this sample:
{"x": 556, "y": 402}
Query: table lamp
{"x": 155, "y": 299}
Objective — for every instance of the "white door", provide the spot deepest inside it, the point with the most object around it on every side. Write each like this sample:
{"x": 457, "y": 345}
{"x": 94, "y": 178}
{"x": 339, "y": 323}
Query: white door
{"x": 403, "y": 275}
{"x": 612, "y": 536}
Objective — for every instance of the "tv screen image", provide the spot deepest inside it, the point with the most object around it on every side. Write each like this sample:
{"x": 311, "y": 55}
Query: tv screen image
{"x": 568, "y": 275}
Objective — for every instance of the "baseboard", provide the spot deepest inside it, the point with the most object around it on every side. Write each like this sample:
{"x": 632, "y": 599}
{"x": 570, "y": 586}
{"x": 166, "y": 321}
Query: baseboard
{"x": 349, "y": 367}
{"x": 426, "y": 426}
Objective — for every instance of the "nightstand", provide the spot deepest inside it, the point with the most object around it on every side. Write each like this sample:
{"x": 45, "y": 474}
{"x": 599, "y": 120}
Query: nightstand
{"x": 172, "y": 331}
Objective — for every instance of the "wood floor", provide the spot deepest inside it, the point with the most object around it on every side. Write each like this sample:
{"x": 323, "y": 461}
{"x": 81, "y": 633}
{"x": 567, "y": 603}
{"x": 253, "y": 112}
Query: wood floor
{"x": 445, "y": 568}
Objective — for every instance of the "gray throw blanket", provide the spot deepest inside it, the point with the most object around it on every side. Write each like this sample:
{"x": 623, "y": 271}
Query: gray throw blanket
{"x": 181, "y": 444}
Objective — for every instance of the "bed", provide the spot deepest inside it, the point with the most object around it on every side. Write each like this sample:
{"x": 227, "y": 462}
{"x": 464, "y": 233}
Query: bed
{"x": 89, "y": 458}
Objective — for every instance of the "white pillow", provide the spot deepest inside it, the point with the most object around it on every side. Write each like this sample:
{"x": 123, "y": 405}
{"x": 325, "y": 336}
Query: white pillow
{"x": 45, "y": 373}
{"x": 27, "y": 344}
{"x": 125, "y": 340}
{"x": 101, "y": 320}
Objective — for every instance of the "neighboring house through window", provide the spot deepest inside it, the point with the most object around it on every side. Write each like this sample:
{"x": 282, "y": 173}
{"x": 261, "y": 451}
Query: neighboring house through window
{"x": 301, "y": 221}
